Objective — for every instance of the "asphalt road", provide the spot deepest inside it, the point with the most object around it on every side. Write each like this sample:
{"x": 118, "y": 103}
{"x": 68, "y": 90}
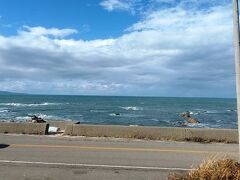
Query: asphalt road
{"x": 26, "y": 157}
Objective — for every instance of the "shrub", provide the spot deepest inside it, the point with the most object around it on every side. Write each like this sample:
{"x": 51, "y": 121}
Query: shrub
{"x": 224, "y": 169}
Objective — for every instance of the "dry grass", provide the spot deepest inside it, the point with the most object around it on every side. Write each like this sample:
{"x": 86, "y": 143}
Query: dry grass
{"x": 202, "y": 140}
{"x": 224, "y": 169}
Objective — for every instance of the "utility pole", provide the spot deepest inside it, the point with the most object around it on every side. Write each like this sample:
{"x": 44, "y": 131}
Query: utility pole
{"x": 237, "y": 60}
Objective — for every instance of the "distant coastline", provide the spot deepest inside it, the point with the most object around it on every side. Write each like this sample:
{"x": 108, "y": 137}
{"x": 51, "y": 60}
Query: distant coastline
{"x": 11, "y": 93}
{"x": 95, "y": 95}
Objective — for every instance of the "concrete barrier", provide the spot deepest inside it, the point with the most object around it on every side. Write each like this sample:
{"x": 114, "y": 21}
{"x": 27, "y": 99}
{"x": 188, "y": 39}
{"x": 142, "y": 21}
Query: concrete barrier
{"x": 154, "y": 133}
{"x": 24, "y": 128}
{"x": 210, "y": 134}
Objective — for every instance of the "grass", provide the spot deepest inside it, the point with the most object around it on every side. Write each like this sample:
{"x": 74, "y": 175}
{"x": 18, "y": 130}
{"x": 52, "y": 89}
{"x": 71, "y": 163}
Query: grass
{"x": 223, "y": 169}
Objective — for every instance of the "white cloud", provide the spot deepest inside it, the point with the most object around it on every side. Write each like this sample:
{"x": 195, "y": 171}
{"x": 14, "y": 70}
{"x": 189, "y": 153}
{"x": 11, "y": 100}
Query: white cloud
{"x": 122, "y": 5}
{"x": 172, "y": 52}
{"x": 41, "y": 31}
{"x": 144, "y": 7}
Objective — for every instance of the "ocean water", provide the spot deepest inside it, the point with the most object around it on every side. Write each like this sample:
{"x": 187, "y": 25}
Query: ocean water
{"x": 139, "y": 111}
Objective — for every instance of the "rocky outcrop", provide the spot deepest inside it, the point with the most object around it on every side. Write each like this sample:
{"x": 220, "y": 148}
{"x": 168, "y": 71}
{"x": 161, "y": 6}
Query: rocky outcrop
{"x": 189, "y": 119}
{"x": 36, "y": 119}
{"x": 192, "y": 120}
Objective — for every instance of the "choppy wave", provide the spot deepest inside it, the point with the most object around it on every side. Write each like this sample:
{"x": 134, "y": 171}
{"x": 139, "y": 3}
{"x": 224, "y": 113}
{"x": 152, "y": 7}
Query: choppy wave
{"x": 212, "y": 112}
{"x": 4, "y": 110}
{"x": 200, "y": 125}
{"x": 125, "y": 115}
{"x": 231, "y": 110}
{"x": 77, "y": 115}
{"x": 132, "y": 108}
{"x": 203, "y": 125}
{"x": 132, "y": 115}
{"x": 97, "y": 111}
{"x": 198, "y": 112}
{"x": 22, "y": 118}
{"x": 156, "y": 120}
{"x": 44, "y": 116}
{"x": 114, "y": 114}
{"x": 28, "y": 105}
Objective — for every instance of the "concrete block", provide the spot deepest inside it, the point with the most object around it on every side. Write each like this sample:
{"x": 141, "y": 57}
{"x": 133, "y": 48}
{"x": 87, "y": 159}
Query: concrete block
{"x": 24, "y": 128}
{"x": 60, "y": 124}
{"x": 125, "y": 132}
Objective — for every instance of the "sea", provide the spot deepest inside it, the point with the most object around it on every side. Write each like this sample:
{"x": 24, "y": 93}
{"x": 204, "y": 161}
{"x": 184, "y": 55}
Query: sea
{"x": 129, "y": 111}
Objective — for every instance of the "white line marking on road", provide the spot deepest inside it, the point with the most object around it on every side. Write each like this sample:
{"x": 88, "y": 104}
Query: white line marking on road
{"x": 96, "y": 165}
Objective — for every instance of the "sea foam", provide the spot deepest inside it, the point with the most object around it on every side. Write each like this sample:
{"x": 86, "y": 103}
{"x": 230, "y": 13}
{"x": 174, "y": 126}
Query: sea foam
{"x": 28, "y": 105}
{"x": 43, "y": 116}
{"x": 132, "y": 108}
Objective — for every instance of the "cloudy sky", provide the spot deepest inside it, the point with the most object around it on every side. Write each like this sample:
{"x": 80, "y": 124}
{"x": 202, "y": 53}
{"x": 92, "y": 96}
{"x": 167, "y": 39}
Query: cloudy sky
{"x": 117, "y": 47}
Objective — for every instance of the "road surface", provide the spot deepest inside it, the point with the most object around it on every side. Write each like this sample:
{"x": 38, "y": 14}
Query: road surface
{"x": 26, "y": 157}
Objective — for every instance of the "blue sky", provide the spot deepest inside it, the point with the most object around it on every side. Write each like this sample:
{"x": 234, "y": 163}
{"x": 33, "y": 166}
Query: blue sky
{"x": 117, "y": 47}
{"x": 88, "y": 17}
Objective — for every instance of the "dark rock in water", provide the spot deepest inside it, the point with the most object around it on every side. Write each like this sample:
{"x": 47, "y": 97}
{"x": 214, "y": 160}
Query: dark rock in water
{"x": 36, "y": 119}
{"x": 192, "y": 120}
{"x": 186, "y": 114}
{"x": 180, "y": 123}
{"x": 188, "y": 117}
{"x": 78, "y": 122}
{"x": 117, "y": 114}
